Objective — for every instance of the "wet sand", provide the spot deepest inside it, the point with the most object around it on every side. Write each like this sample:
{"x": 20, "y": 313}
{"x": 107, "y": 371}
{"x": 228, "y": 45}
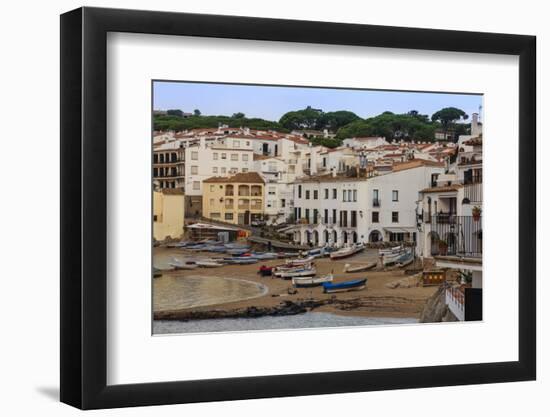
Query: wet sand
{"x": 376, "y": 300}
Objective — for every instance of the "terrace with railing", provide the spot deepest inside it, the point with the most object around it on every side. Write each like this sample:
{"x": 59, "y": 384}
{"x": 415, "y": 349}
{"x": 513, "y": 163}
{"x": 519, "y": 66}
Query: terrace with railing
{"x": 453, "y": 235}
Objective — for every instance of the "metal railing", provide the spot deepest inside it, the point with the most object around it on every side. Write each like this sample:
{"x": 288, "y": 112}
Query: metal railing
{"x": 453, "y": 235}
{"x": 376, "y": 202}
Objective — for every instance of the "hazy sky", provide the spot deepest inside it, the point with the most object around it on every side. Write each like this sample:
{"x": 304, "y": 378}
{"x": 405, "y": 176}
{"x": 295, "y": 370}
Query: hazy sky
{"x": 272, "y": 102}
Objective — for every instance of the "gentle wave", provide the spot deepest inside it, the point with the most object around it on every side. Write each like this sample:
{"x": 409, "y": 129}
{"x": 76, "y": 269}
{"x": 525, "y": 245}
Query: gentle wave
{"x": 299, "y": 321}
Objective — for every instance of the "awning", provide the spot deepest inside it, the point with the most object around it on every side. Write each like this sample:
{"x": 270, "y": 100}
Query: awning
{"x": 400, "y": 229}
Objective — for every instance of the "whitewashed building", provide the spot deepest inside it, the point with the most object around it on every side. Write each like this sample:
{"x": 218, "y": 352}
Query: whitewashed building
{"x": 337, "y": 209}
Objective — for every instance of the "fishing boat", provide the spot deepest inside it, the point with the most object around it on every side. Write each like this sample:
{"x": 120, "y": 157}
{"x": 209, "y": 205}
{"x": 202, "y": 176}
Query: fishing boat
{"x": 209, "y": 264}
{"x": 391, "y": 251}
{"x": 240, "y": 260}
{"x": 296, "y": 272}
{"x": 311, "y": 281}
{"x": 197, "y": 247}
{"x": 265, "y": 271}
{"x": 394, "y": 258}
{"x": 156, "y": 272}
{"x": 405, "y": 259}
{"x": 179, "y": 265}
{"x": 354, "y": 285}
{"x": 299, "y": 262}
{"x": 238, "y": 251}
{"x": 282, "y": 255}
{"x": 361, "y": 268}
{"x": 347, "y": 252}
{"x": 264, "y": 256}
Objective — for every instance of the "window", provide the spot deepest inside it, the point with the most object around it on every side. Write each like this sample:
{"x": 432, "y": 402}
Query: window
{"x": 236, "y": 144}
{"x": 194, "y": 170}
{"x": 326, "y": 216}
{"x": 283, "y": 203}
{"x": 299, "y": 191}
{"x": 196, "y": 185}
{"x": 375, "y": 199}
{"x": 215, "y": 156}
{"x": 234, "y": 170}
{"x": 215, "y": 215}
{"x": 194, "y": 155}
{"x": 155, "y": 218}
{"x": 315, "y": 194}
{"x": 245, "y": 157}
{"x": 324, "y": 162}
{"x": 228, "y": 216}
{"x": 223, "y": 170}
{"x": 271, "y": 190}
{"x": 354, "y": 195}
{"x": 334, "y": 194}
{"x": 395, "y": 217}
{"x": 344, "y": 195}
{"x": 326, "y": 193}
{"x": 224, "y": 156}
{"x": 307, "y": 215}
{"x": 211, "y": 201}
{"x": 333, "y": 216}
{"x": 375, "y": 217}
{"x": 212, "y": 188}
{"x": 307, "y": 194}
{"x": 214, "y": 170}
{"x": 353, "y": 219}
{"x": 395, "y": 195}
{"x": 245, "y": 169}
{"x": 247, "y": 143}
{"x": 234, "y": 156}
{"x": 272, "y": 167}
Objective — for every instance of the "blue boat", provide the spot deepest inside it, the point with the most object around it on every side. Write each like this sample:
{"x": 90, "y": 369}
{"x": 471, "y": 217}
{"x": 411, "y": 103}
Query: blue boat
{"x": 356, "y": 284}
{"x": 238, "y": 252}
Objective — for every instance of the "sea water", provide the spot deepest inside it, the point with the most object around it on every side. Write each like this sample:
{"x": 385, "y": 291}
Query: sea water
{"x": 298, "y": 321}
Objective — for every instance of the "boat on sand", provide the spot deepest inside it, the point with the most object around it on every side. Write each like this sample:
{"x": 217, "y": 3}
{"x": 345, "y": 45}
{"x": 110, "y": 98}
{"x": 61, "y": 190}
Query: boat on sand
{"x": 354, "y": 285}
{"x": 179, "y": 265}
{"x": 360, "y": 268}
{"x": 311, "y": 281}
{"x": 347, "y": 252}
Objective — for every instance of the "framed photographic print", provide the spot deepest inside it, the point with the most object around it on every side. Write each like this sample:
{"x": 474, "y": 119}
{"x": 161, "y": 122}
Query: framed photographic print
{"x": 256, "y": 208}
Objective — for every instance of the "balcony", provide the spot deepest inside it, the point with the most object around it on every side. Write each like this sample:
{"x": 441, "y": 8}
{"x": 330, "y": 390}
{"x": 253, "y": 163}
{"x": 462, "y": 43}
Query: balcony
{"x": 473, "y": 192}
{"x": 376, "y": 202}
{"x": 453, "y": 235}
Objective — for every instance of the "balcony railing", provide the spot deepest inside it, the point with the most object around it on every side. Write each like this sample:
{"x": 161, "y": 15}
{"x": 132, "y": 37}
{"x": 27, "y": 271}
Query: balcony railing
{"x": 376, "y": 202}
{"x": 473, "y": 192}
{"x": 453, "y": 235}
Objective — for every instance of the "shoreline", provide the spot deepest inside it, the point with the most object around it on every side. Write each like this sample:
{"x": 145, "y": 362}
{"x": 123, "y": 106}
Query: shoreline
{"x": 376, "y": 301}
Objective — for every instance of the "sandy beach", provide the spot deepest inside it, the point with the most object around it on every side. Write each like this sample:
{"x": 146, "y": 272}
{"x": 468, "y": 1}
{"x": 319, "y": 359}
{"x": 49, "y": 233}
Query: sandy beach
{"x": 376, "y": 300}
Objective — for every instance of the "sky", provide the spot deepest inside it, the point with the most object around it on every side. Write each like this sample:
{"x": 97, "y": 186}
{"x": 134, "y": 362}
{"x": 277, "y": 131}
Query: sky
{"x": 271, "y": 103}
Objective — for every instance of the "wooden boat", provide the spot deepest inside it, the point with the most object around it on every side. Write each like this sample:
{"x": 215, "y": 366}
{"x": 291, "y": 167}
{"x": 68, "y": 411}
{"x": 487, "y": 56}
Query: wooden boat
{"x": 361, "y": 268}
{"x": 405, "y": 259}
{"x": 179, "y": 265}
{"x": 238, "y": 260}
{"x": 311, "y": 281}
{"x": 265, "y": 271}
{"x": 299, "y": 262}
{"x": 214, "y": 248}
{"x": 355, "y": 285}
{"x": 264, "y": 256}
{"x": 347, "y": 252}
{"x": 398, "y": 257}
{"x": 390, "y": 251}
{"x": 286, "y": 267}
{"x": 209, "y": 264}
{"x": 298, "y": 272}
{"x": 238, "y": 251}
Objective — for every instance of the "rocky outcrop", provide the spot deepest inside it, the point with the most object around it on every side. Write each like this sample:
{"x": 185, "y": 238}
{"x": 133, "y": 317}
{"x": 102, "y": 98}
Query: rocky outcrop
{"x": 436, "y": 310}
{"x": 286, "y": 308}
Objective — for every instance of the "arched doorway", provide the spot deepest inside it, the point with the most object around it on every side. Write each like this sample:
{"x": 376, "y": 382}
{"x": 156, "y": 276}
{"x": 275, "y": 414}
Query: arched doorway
{"x": 334, "y": 237}
{"x": 325, "y": 237}
{"x": 344, "y": 237}
{"x": 354, "y": 237}
{"x": 315, "y": 237}
{"x": 375, "y": 236}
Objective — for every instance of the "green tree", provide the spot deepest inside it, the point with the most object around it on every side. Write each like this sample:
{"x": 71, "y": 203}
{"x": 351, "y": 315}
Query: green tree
{"x": 448, "y": 116}
{"x": 238, "y": 115}
{"x": 174, "y": 112}
{"x": 197, "y": 112}
{"x": 301, "y": 119}
{"x": 336, "y": 119}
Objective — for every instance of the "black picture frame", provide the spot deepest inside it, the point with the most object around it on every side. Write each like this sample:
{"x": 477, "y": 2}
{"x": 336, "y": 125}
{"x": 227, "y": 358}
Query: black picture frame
{"x": 84, "y": 207}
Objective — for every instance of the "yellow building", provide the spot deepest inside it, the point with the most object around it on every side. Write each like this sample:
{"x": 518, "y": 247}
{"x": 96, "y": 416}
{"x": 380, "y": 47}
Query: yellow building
{"x": 168, "y": 213}
{"x": 238, "y": 199}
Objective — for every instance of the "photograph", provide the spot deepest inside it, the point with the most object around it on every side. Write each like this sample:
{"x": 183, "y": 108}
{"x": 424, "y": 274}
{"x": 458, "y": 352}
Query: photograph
{"x": 290, "y": 207}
